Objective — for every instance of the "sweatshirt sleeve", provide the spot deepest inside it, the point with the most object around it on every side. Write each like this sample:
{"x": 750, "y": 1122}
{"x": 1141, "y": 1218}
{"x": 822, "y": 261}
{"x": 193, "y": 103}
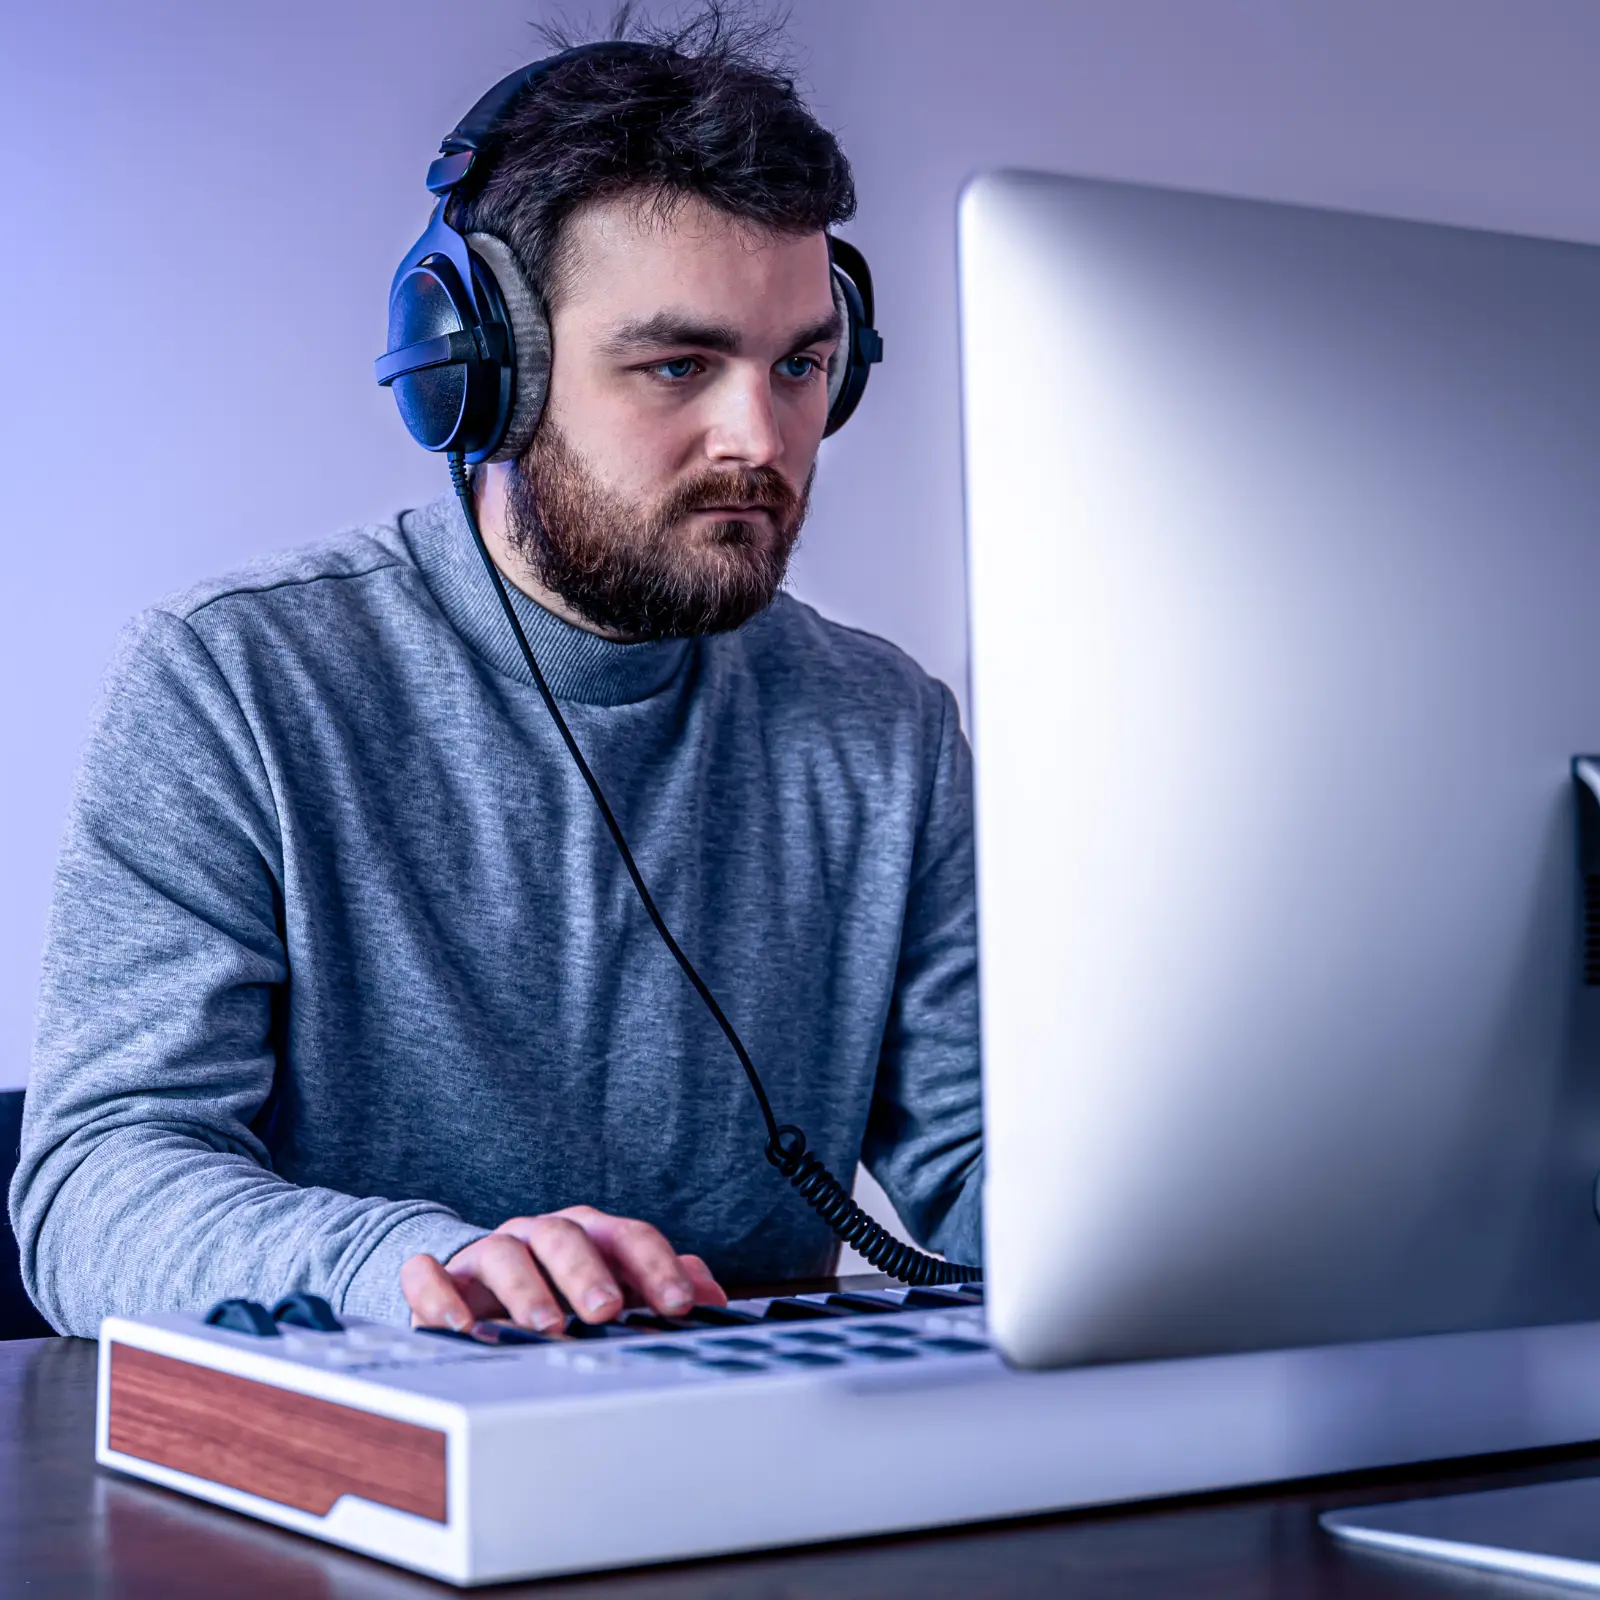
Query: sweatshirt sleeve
{"x": 144, "y": 1184}
{"x": 924, "y": 1139}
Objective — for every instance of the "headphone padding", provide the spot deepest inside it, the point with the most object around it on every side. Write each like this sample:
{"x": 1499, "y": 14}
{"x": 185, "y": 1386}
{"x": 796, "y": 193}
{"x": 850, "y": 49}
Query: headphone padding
{"x": 530, "y": 343}
{"x": 839, "y": 367}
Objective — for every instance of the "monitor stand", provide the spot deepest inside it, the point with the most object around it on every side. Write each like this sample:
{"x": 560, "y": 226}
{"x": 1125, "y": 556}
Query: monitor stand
{"x": 1543, "y": 1530}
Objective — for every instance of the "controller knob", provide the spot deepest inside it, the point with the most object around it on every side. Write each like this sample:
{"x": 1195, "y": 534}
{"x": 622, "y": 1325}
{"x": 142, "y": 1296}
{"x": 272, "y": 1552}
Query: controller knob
{"x": 307, "y": 1311}
{"x": 243, "y": 1316}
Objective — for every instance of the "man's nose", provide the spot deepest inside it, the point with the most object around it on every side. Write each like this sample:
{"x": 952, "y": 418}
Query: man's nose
{"x": 744, "y": 423}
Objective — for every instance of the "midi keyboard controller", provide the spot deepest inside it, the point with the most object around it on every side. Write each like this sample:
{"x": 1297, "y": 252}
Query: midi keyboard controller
{"x": 497, "y": 1454}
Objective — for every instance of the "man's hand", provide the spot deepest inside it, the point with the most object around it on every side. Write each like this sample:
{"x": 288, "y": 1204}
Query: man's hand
{"x": 598, "y": 1263}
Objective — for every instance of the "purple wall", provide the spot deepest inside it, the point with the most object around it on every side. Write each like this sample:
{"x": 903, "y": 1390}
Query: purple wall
{"x": 206, "y": 203}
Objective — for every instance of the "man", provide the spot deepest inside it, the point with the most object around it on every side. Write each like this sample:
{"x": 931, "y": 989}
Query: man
{"x": 345, "y": 987}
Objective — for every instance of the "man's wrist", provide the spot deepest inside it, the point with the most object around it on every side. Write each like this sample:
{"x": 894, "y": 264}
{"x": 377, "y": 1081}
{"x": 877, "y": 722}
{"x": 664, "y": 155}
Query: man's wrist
{"x": 374, "y": 1292}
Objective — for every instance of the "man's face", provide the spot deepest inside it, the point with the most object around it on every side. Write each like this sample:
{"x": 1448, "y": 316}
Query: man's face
{"x": 667, "y": 482}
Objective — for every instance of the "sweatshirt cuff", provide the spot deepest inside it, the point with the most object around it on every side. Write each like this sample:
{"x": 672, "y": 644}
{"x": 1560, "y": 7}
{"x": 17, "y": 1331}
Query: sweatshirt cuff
{"x": 959, "y": 1236}
{"x": 374, "y": 1290}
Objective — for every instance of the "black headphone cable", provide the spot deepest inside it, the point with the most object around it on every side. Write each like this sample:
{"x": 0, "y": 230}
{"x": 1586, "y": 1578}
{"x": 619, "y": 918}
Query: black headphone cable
{"x": 786, "y": 1143}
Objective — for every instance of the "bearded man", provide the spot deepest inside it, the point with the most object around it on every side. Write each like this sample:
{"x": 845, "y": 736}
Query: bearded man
{"x": 346, "y": 989}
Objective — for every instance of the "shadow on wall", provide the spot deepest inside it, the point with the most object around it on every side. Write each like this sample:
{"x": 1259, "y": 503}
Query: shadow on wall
{"x": 18, "y": 1319}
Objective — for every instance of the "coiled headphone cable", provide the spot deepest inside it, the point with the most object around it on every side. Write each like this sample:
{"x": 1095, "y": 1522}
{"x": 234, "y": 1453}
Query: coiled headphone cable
{"x": 786, "y": 1143}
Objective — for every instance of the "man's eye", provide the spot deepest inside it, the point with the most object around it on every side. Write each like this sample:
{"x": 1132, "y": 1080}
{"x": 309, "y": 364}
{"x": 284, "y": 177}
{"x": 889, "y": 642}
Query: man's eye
{"x": 678, "y": 368}
{"x": 799, "y": 366}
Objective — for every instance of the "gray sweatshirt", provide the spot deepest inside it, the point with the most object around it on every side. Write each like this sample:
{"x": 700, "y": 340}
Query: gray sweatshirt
{"x": 343, "y": 967}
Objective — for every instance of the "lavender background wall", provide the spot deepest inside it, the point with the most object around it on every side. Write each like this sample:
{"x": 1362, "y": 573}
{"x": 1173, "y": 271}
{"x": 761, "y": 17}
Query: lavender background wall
{"x": 205, "y": 203}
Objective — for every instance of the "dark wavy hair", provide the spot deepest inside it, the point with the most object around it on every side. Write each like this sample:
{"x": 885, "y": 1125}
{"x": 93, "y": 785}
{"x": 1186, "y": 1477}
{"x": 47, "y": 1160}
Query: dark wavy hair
{"x": 706, "y": 109}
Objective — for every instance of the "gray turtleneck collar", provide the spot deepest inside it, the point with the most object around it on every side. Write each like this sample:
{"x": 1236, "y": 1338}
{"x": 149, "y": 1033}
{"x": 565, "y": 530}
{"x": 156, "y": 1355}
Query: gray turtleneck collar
{"x": 578, "y": 665}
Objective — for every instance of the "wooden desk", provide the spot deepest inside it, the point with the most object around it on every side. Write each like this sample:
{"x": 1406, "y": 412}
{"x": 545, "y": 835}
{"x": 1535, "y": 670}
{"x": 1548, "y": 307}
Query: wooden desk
{"x": 68, "y": 1529}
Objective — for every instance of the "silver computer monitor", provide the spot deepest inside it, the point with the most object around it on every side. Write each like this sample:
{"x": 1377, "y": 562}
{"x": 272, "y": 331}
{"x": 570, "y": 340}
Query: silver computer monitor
{"x": 1284, "y": 551}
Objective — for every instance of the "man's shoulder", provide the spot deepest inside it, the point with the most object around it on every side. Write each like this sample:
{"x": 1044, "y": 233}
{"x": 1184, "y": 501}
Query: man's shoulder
{"x": 863, "y": 690}
{"x": 817, "y": 660}
{"x": 286, "y": 576}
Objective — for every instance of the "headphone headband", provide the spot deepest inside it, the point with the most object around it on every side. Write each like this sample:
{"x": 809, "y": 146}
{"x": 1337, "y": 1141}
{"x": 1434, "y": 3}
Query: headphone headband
{"x": 458, "y": 147}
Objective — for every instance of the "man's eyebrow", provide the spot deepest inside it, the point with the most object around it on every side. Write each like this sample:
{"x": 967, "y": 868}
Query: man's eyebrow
{"x": 667, "y": 329}
{"x": 828, "y": 331}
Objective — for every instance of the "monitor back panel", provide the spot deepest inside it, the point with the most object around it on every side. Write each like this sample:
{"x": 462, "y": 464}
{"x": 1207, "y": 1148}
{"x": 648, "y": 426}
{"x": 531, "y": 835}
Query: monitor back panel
{"x": 1285, "y": 599}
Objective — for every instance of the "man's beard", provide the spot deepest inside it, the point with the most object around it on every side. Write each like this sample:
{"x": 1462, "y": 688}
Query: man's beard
{"x": 635, "y": 570}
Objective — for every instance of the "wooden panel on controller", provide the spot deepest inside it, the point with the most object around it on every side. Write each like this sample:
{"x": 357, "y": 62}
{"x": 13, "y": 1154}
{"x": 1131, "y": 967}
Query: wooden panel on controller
{"x": 287, "y": 1447}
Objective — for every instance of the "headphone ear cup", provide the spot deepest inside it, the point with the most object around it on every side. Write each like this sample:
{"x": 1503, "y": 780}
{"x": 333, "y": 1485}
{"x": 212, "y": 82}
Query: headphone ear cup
{"x": 858, "y": 350}
{"x": 438, "y": 403}
{"x": 530, "y": 343}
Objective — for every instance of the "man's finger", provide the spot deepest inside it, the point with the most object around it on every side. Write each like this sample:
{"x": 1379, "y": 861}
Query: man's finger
{"x": 707, "y": 1291}
{"x": 572, "y": 1262}
{"x": 503, "y": 1265}
{"x": 642, "y": 1258}
{"x": 432, "y": 1294}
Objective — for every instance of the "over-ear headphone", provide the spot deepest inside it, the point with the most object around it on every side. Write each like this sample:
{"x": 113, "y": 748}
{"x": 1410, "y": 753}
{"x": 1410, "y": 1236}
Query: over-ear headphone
{"x": 468, "y": 360}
